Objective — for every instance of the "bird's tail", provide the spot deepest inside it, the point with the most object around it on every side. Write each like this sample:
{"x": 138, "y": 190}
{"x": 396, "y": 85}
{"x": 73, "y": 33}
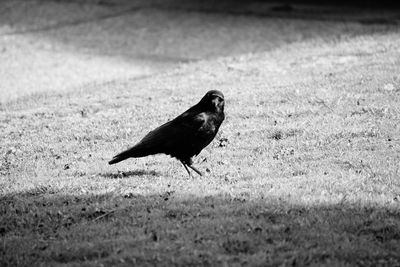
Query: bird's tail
{"x": 120, "y": 157}
{"x": 134, "y": 152}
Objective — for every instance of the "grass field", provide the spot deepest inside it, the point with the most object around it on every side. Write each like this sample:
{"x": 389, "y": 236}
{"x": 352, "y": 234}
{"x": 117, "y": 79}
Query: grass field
{"x": 304, "y": 171}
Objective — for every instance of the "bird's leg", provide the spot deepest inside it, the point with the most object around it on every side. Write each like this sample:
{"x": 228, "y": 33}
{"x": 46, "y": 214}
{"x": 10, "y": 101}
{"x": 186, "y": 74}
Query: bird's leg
{"x": 196, "y": 170}
{"x": 184, "y": 165}
{"x": 189, "y": 163}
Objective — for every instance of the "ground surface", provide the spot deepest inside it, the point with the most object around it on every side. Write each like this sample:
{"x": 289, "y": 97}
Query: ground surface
{"x": 305, "y": 170}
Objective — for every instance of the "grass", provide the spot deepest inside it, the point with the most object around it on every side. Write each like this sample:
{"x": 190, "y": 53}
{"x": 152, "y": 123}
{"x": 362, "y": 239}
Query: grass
{"x": 304, "y": 171}
{"x": 58, "y": 45}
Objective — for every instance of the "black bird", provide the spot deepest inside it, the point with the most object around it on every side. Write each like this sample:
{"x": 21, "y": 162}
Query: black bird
{"x": 185, "y": 136}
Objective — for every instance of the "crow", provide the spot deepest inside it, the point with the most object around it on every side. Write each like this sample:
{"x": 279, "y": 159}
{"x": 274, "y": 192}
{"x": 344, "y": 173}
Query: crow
{"x": 185, "y": 136}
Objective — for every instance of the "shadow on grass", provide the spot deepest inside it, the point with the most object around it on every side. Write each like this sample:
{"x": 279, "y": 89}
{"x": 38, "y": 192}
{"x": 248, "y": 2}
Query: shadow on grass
{"x": 121, "y": 174}
{"x": 182, "y": 230}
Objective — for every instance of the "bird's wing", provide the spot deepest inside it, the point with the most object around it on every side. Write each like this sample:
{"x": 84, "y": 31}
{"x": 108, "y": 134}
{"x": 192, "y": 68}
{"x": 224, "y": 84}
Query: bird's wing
{"x": 172, "y": 133}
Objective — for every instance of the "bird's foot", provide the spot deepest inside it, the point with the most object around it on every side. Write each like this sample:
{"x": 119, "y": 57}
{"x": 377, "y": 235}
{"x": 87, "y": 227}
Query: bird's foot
{"x": 193, "y": 168}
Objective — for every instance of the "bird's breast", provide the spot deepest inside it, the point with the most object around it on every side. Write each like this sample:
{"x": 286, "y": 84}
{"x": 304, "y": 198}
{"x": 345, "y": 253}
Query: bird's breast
{"x": 210, "y": 127}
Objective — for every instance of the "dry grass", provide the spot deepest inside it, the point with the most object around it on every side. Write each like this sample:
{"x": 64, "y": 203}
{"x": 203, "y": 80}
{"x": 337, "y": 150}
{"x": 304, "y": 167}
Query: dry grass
{"x": 305, "y": 170}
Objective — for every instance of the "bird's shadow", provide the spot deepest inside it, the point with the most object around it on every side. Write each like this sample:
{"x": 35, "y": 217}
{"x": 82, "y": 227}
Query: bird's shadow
{"x": 122, "y": 174}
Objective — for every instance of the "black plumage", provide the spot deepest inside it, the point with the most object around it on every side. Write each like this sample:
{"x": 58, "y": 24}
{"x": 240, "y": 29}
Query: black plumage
{"x": 185, "y": 136}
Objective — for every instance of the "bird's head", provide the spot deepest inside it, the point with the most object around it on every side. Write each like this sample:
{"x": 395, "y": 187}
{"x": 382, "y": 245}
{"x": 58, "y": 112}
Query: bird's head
{"x": 213, "y": 101}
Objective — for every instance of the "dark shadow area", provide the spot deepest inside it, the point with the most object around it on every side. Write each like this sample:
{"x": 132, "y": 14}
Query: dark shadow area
{"x": 305, "y": 10}
{"x": 189, "y": 230}
{"x": 122, "y": 174}
{"x": 365, "y": 12}
{"x": 349, "y": 11}
{"x": 242, "y": 3}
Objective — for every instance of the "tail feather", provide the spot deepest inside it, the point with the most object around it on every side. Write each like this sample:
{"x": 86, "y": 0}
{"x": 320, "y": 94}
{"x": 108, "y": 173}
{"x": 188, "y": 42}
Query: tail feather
{"x": 134, "y": 152}
{"x": 118, "y": 158}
